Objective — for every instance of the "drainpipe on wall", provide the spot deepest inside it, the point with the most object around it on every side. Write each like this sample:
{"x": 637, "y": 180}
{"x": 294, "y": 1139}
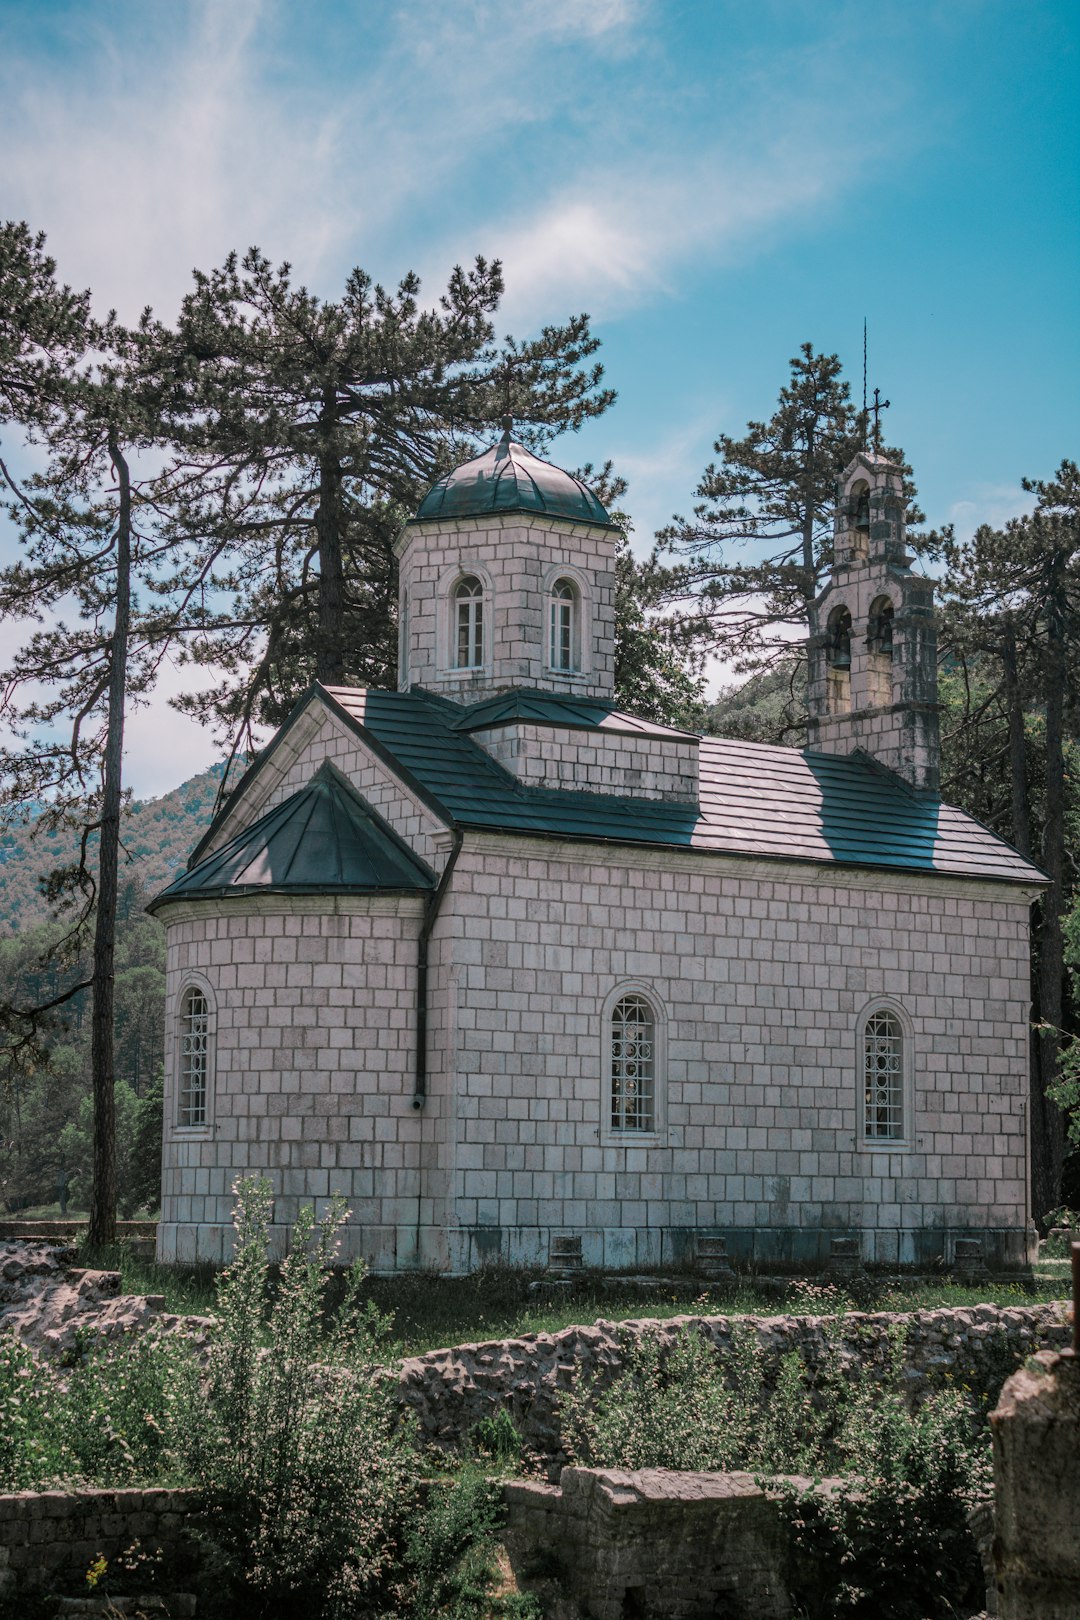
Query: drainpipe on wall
{"x": 430, "y": 919}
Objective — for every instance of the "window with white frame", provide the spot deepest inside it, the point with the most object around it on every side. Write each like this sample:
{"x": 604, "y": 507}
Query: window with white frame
{"x": 194, "y": 1055}
{"x": 883, "y": 1059}
{"x": 562, "y": 626}
{"x": 633, "y": 1064}
{"x": 468, "y": 623}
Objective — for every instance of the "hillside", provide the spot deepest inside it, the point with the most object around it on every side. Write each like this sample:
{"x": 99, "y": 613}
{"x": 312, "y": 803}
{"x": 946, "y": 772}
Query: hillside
{"x": 158, "y": 836}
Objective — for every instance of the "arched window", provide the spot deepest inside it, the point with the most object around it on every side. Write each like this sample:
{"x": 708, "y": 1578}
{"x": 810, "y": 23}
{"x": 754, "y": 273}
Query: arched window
{"x": 883, "y": 1077}
{"x": 633, "y": 1065}
{"x": 194, "y": 1065}
{"x": 562, "y": 626}
{"x": 468, "y": 623}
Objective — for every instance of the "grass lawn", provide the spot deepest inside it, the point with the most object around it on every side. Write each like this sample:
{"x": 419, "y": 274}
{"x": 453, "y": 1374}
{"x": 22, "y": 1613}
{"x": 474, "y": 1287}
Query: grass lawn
{"x": 432, "y": 1312}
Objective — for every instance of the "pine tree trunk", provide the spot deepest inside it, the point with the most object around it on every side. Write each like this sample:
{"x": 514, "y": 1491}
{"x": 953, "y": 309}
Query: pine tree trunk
{"x": 1021, "y": 815}
{"x": 103, "y": 1196}
{"x": 1047, "y": 1121}
{"x": 329, "y": 519}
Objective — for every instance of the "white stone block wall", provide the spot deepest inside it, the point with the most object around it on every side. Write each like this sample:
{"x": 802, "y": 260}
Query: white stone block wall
{"x": 313, "y": 1016}
{"x": 517, "y": 556}
{"x": 629, "y": 763}
{"x": 762, "y": 972}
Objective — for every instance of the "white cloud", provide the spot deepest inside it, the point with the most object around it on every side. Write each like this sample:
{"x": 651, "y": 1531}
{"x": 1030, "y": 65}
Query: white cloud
{"x": 994, "y": 504}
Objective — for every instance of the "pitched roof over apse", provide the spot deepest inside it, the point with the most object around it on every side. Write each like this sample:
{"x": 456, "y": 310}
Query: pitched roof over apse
{"x": 322, "y": 840}
{"x": 508, "y": 478}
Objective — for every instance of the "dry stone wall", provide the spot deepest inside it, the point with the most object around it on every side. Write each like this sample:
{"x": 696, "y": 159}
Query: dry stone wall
{"x": 452, "y": 1390}
{"x": 49, "y": 1539}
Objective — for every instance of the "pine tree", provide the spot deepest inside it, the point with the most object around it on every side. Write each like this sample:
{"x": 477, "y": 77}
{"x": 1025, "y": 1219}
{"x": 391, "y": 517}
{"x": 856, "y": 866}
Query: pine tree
{"x": 1014, "y": 615}
{"x": 85, "y": 399}
{"x": 316, "y": 426}
{"x": 770, "y": 495}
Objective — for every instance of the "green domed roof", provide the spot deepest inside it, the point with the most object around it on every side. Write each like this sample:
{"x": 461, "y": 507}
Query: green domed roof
{"x": 509, "y": 478}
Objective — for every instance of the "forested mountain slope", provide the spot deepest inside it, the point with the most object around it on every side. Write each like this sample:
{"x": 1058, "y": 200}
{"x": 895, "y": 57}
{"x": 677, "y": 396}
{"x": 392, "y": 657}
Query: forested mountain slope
{"x": 157, "y": 835}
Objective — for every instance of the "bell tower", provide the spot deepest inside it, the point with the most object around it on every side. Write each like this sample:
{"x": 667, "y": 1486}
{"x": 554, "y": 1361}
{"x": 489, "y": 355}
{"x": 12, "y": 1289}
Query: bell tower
{"x": 872, "y": 678}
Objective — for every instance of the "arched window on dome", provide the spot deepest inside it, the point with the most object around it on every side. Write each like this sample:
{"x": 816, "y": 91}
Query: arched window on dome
{"x": 468, "y": 627}
{"x": 564, "y": 619}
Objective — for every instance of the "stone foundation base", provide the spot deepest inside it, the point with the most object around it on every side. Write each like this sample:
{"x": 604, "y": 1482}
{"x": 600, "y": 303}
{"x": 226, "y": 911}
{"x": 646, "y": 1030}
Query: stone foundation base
{"x": 458, "y": 1250}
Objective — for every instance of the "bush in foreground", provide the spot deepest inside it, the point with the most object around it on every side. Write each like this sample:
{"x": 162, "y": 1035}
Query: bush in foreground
{"x": 893, "y": 1543}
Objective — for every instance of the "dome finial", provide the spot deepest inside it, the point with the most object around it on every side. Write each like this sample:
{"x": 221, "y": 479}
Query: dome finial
{"x": 508, "y": 425}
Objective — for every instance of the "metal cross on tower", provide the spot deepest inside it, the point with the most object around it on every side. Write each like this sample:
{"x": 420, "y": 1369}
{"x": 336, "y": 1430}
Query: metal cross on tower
{"x": 877, "y": 407}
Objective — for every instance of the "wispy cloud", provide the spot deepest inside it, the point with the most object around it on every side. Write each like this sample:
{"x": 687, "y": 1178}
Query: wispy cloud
{"x": 994, "y": 504}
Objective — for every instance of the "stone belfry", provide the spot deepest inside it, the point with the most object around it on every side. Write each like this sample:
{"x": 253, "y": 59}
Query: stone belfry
{"x": 872, "y": 677}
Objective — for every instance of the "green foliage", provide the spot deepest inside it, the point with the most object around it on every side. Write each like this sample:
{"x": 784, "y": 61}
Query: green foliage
{"x": 449, "y": 1555}
{"x": 898, "y": 1525}
{"x": 138, "y": 1149}
{"x": 1065, "y": 1091}
{"x": 497, "y": 1440}
{"x": 309, "y": 1466}
{"x": 894, "y": 1541}
{"x": 113, "y": 1417}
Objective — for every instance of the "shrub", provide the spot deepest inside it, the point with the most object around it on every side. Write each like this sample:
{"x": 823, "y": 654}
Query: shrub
{"x": 299, "y": 1448}
{"x": 112, "y": 1418}
{"x": 894, "y": 1542}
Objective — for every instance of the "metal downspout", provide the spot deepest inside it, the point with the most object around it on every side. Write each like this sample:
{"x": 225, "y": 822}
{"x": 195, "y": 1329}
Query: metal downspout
{"x": 430, "y": 918}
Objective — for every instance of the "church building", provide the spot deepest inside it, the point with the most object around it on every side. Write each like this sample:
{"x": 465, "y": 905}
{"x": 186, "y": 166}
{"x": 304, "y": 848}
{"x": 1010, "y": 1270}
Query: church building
{"x": 505, "y": 965}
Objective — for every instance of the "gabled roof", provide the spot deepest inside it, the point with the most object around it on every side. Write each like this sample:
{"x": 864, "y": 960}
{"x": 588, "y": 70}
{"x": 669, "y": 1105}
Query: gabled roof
{"x": 756, "y": 800}
{"x": 508, "y": 478}
{"x": 322, "y": 840}
{"x": 553, "y": 709}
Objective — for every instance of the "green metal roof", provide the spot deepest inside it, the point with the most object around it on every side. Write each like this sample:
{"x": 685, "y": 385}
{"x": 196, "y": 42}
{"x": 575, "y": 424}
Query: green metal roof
{"x": 756, "y": 800}
{"x": 508, "y": 478}
{"x": 553, "y": 709}
{"x": 322, "y": 840}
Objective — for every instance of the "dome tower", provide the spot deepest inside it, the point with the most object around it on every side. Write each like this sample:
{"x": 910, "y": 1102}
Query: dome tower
{"x": 507, "y": 579}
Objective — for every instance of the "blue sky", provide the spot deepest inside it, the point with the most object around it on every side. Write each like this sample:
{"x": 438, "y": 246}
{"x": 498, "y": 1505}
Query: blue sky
{"x": 714, "y": 183}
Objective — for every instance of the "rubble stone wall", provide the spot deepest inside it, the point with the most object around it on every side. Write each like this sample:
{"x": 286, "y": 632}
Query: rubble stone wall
{"x": 452, "y": 1390}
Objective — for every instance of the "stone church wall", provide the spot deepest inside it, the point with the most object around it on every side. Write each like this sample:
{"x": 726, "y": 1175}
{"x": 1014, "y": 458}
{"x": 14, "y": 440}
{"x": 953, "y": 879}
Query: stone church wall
{"x": 328, "y": 738}
{"x": 313, "y": 1009}
{"x": 639, "y": 766}
{"x": 760, "y": 973}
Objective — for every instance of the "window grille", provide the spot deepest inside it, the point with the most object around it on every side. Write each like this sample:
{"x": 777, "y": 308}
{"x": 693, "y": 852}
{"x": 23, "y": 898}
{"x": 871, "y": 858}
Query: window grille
{"x": 561, "y": 625}
{"x": 883, "y": 1074}
{"x": 469, "y": 624}
{"x": 633, "y": 1065}
{"x": 194, "y": 1058}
